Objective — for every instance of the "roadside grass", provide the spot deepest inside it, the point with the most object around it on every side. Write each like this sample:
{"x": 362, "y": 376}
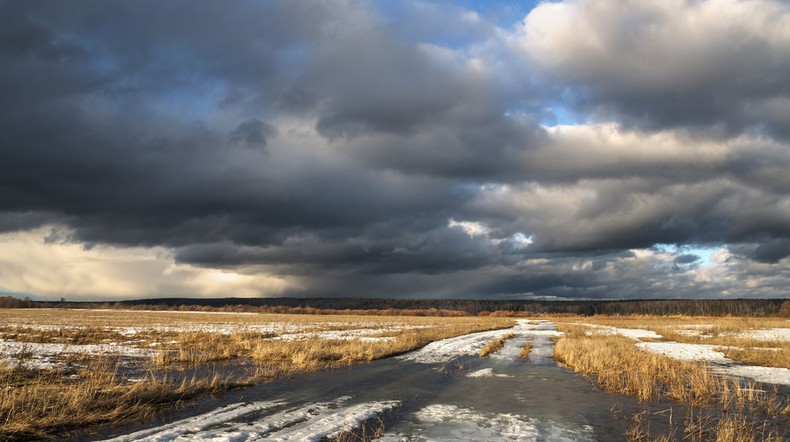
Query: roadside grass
{"x": 495, "y": 345}
{"x": 90, "y": 390}
{"x": 736, "y": 336}
{"x": 719, "y": 408}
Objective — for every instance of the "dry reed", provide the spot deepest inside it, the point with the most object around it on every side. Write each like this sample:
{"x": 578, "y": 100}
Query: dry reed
{"x": 525, "y": 350}
{"x": 720, "y": 408}
{"x": 37, "y": 404}
{"x": 495, "y": 345}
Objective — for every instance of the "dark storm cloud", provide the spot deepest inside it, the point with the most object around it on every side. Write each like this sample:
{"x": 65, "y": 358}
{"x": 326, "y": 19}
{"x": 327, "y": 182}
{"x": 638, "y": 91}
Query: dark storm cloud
{"x": 687, "y": 258}
{"x": 770, "y": 250}
{"x": 14, "y": 221}
{"x": 253, "y": 133}
{"x": 369, "y": 155}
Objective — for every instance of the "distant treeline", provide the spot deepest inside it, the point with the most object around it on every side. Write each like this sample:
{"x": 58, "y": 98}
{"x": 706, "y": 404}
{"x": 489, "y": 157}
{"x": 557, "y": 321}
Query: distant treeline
{"x": 437, "y": 307}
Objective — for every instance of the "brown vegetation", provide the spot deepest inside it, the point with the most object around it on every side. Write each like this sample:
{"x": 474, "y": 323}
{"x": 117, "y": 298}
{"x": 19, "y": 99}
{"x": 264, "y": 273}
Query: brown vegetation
{"x": 733, "y": 334}
{"x": 720, "y": 409}
{"x": 525, "y": 350}
{"x": 495, "y": 345}
{"x": 36, "y": 404}
{"x": 765, "y": 357}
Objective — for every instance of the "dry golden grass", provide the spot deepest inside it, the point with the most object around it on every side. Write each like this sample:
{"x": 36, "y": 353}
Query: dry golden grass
{"x": 495, "y": 345}
{"x": 618, "y": 366}
{"x": 718, "y": 324}
{"x": 141, "y": 319}
{"x": 734, "y": 334}
{"x": 41, "y": 403}
{"x": 721, "y": 409}
{"x": 37, "y": 404}
{"x": 314, "y": 353}
{"x": 193, "y": 338}
{"x": 765, "y": 357}
{"x": 525, "y": 350}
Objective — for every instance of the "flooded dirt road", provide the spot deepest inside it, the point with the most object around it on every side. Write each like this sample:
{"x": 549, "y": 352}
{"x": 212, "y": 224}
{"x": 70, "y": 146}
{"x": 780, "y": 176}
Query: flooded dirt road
{"x": 441, "y": 392}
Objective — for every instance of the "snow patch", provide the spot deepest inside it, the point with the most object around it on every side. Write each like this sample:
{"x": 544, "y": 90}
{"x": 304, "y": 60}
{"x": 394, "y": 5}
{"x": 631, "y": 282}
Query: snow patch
{"x": 441, "y": 422}
{"x": 248, "y": 422}
{"x": 768, "y": 334}
{"x": 44, "y": 356}
{"x": 468, "y": 424}
{"x": 686, "y": 352}
{"x": 633, "y": 333}
{"x": 175, "y": 430}
{"x": 719, "y": 362}
{"x": 447, "y": 350}
{"x": 487, "y": 373}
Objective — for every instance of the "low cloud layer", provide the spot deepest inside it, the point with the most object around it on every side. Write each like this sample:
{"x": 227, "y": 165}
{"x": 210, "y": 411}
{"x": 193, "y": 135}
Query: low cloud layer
{"x": 351, "y": 149}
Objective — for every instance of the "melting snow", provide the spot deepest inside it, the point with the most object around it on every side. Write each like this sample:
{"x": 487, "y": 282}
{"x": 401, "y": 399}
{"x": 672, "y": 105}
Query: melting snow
{"x": 686, "y": 352}
{"x": 447, "y": 350}
{"x": 440, "y": 422}
{"x": 248, "y": 422}
{"x": 43, "y": 356}
{"x": 633, "y": 333}
{"x": 768, "y": 334}
{"x": 719, "y": 362}
{"x": 487, "y": 373}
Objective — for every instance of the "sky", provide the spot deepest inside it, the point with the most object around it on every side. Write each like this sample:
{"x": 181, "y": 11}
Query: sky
{"x": 552, "y": 150}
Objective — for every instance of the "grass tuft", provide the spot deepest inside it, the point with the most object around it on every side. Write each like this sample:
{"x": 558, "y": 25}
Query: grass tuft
{"x": 495, "y": 345}
{"x": 525, "y": 350}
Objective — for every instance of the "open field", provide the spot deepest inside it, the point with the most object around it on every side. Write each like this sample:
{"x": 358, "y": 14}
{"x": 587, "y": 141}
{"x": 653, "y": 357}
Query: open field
{"x": 66, "y": 369}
